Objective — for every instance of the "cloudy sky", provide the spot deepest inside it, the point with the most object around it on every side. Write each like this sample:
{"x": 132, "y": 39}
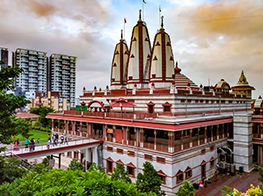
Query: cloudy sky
{"x": 210, "y": 38}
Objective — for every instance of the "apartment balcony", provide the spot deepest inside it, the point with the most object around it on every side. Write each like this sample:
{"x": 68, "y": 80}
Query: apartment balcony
{"x": 72, "y": 76}
{"x": 24, "y": 54}
{"x": 65, "y": 72}
{"x": 65, "y": 57}
{"x": 32, "y": 75}
{"x": 32, "y": 81}
{"x": 64, "y": 77}
{"x": 41, "y": 62}
{"x": 41, "y": 67}
{"x": 72, "y": 80}
{"x": 33, "y": 70}
{"x": 57, "y": 69}
{"x": 24, "y": 60}
{"x": 32, "y": 86}
{"x": 41, "y": 56}
{"x": 58, "y": 64}
{"x": 32, "y": 52}
{"x": 33, "y": 64}
{"x": 24, "y": 66}
{"x": 33, "y": 58}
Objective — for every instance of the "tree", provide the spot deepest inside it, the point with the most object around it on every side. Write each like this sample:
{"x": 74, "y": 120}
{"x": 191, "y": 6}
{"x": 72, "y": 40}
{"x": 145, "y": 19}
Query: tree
{"x": 120, "y": 173}
{"x": 95, "y": 167}
{"x": 9, "y": 102}
{"x": 187, "y": 189}
{"x": 75, "y": 165}
{"x": 68, "y": 182}
{"x": 260, "y": 172}
{"x": 10, "y": 169}
{"x": 149, "y": 180}
{"x": 43, "y": 111}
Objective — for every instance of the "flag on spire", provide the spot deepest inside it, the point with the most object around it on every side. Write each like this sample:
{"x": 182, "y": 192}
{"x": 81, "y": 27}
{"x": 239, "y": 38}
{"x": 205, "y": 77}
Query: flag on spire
{"x": 144, "y": 1}
{"x": 125, "y": 21}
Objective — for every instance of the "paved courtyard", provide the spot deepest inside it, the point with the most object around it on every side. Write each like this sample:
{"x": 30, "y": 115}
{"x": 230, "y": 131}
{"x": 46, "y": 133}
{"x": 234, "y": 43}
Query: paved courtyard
{"x": 240, "y": 182}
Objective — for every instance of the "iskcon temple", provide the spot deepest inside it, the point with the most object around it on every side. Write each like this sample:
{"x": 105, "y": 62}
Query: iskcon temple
{"x": 153, "y": 112}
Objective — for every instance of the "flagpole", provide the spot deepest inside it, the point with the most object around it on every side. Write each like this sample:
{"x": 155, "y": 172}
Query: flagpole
{"x": 159, "y": 15}
{"x": 142, "y": 11}
{"x": 124, "y": 30}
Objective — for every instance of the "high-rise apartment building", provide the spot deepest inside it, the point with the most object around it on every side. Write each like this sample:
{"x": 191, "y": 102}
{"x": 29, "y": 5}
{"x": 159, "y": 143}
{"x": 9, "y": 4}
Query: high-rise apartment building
{"x": 4, "y": 56}
{"x": 61, "y": 76}
{"x": 34, "y": 64}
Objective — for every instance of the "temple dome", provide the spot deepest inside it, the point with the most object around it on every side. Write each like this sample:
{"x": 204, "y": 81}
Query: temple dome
{"x": 119, "y": 65}
{"x": 162, "y": 60}
{"x": 139, "y": 56}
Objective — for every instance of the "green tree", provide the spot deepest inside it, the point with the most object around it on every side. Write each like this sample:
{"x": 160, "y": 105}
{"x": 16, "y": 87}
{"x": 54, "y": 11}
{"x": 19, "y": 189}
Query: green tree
{"x": 187, "y": 189}
{"x": 43, "y": 111}
{"x": 149, "y": 181}
{"x": 75, "y": 165}
{"x": 10, "y": 169}
{"x": 95, "y": 167}
{"x": 260, "y": 172}
{"x": 120, "y": 173}
{"x": 9, "y": 102}
{"x": 69, "y": 182}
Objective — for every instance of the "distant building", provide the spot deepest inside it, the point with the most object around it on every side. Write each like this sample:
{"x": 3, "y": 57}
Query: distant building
{"x": 4, "y": 56}
{"x": 34, "y": 77}
{"x": 52, "y": 99}
{"x": 61, "y": 76}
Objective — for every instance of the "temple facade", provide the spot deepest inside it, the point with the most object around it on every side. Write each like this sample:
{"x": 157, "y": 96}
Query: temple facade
{"x": 152, "y": 112}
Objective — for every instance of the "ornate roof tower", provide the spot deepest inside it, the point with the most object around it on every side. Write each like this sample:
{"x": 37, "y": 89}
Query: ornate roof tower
{"x": 243, "y": 86}
{"x": 119, "y": 65}
{"x": 162, "y": 60}
{"x": 139, "y": 56}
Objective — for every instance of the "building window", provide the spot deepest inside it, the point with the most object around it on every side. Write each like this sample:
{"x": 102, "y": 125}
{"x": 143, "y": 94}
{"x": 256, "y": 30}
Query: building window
{"x": 109, "y": 148}
{"x": 120, "y": 151}
{"x": 160, "y": 160}
{"x": 166, "y": 108}
{"x": 179, "y": 178}
{"x": 150, "y": 108}
{"x": 130, "y": 171}
{"x": 109, "y": 167}
{"x": 148, "y": 157}
{"x": 163, "y": 178}
{"x": 203, "y": 151}
{"x": 131, "y": 153}
{"x": 212, "y": 163}
{"x": 188, "y": 174}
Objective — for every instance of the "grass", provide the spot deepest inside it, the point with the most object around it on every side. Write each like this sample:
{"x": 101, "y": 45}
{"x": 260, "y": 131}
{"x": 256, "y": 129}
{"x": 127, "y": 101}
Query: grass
{"x": 33, "y": 134}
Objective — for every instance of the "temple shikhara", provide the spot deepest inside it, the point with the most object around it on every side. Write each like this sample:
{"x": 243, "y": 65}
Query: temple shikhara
{"x": 153, "y": 112}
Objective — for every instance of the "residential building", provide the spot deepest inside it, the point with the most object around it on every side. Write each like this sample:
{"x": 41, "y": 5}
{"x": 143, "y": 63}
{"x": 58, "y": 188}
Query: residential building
{"x": 34, "y": 64}
{"x": 152, "y": 112}
{"x": 4, "y": 56}
{"x": 52, "y": 99}
{"x": 61, "y": 76}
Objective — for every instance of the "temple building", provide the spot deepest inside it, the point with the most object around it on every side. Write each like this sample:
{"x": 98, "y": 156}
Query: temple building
{"x": 153, "y": 112}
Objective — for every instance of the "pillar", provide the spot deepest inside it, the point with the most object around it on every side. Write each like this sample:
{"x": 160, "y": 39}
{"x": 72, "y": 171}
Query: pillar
{"x": 223, "y": 132}
{"x": 87, "y": 157}
{"x": 205, "y": 134}
{"x": 74, "y": 127}
{"x": 66, "y": 126}
{"x": 198, "y": 137}
{"x": 52, "y": 125}
{"x": 141, "y": 137}
{"x": 182, "y": 145}
{"x": 58, "y": 125}
{"x": 227, "y": 129}
{"x": 114, "y": 127}
{"x": 190, "y": 138}
{"x": 171, "y": 139}
{"x": 128, "y": 135}
{"x": 212, "y": 133}
{"x": 104, "y": 138}
{"x": 217, "y": 132}
{"x": 80, "y": 129}
{"x": 136, "y": 136}
{"x": 59, "y": 160}
{"x": 243, "y": 145}
{"x": 155, "y": 133}
{"x": 123, "y": 135}
{"x": 95, "y": 155}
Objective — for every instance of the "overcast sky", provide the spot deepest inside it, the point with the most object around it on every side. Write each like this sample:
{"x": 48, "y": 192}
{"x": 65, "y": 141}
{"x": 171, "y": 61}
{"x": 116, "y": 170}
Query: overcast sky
{"x": 210, "y": 38}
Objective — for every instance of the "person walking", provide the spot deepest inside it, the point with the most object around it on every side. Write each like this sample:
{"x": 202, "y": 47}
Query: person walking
{"x": 30, "y": 146}
{"x": 62, "y": 138}
{"x": 33, "y": 144}
{"x": 26, "y": 143}
{"x": 54, "y": 140}
{"x": 66, "y": 139}
{"x": 15, "y": 145}
{"x": 48, "y": 144}
{"x": 38, "y": 140}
